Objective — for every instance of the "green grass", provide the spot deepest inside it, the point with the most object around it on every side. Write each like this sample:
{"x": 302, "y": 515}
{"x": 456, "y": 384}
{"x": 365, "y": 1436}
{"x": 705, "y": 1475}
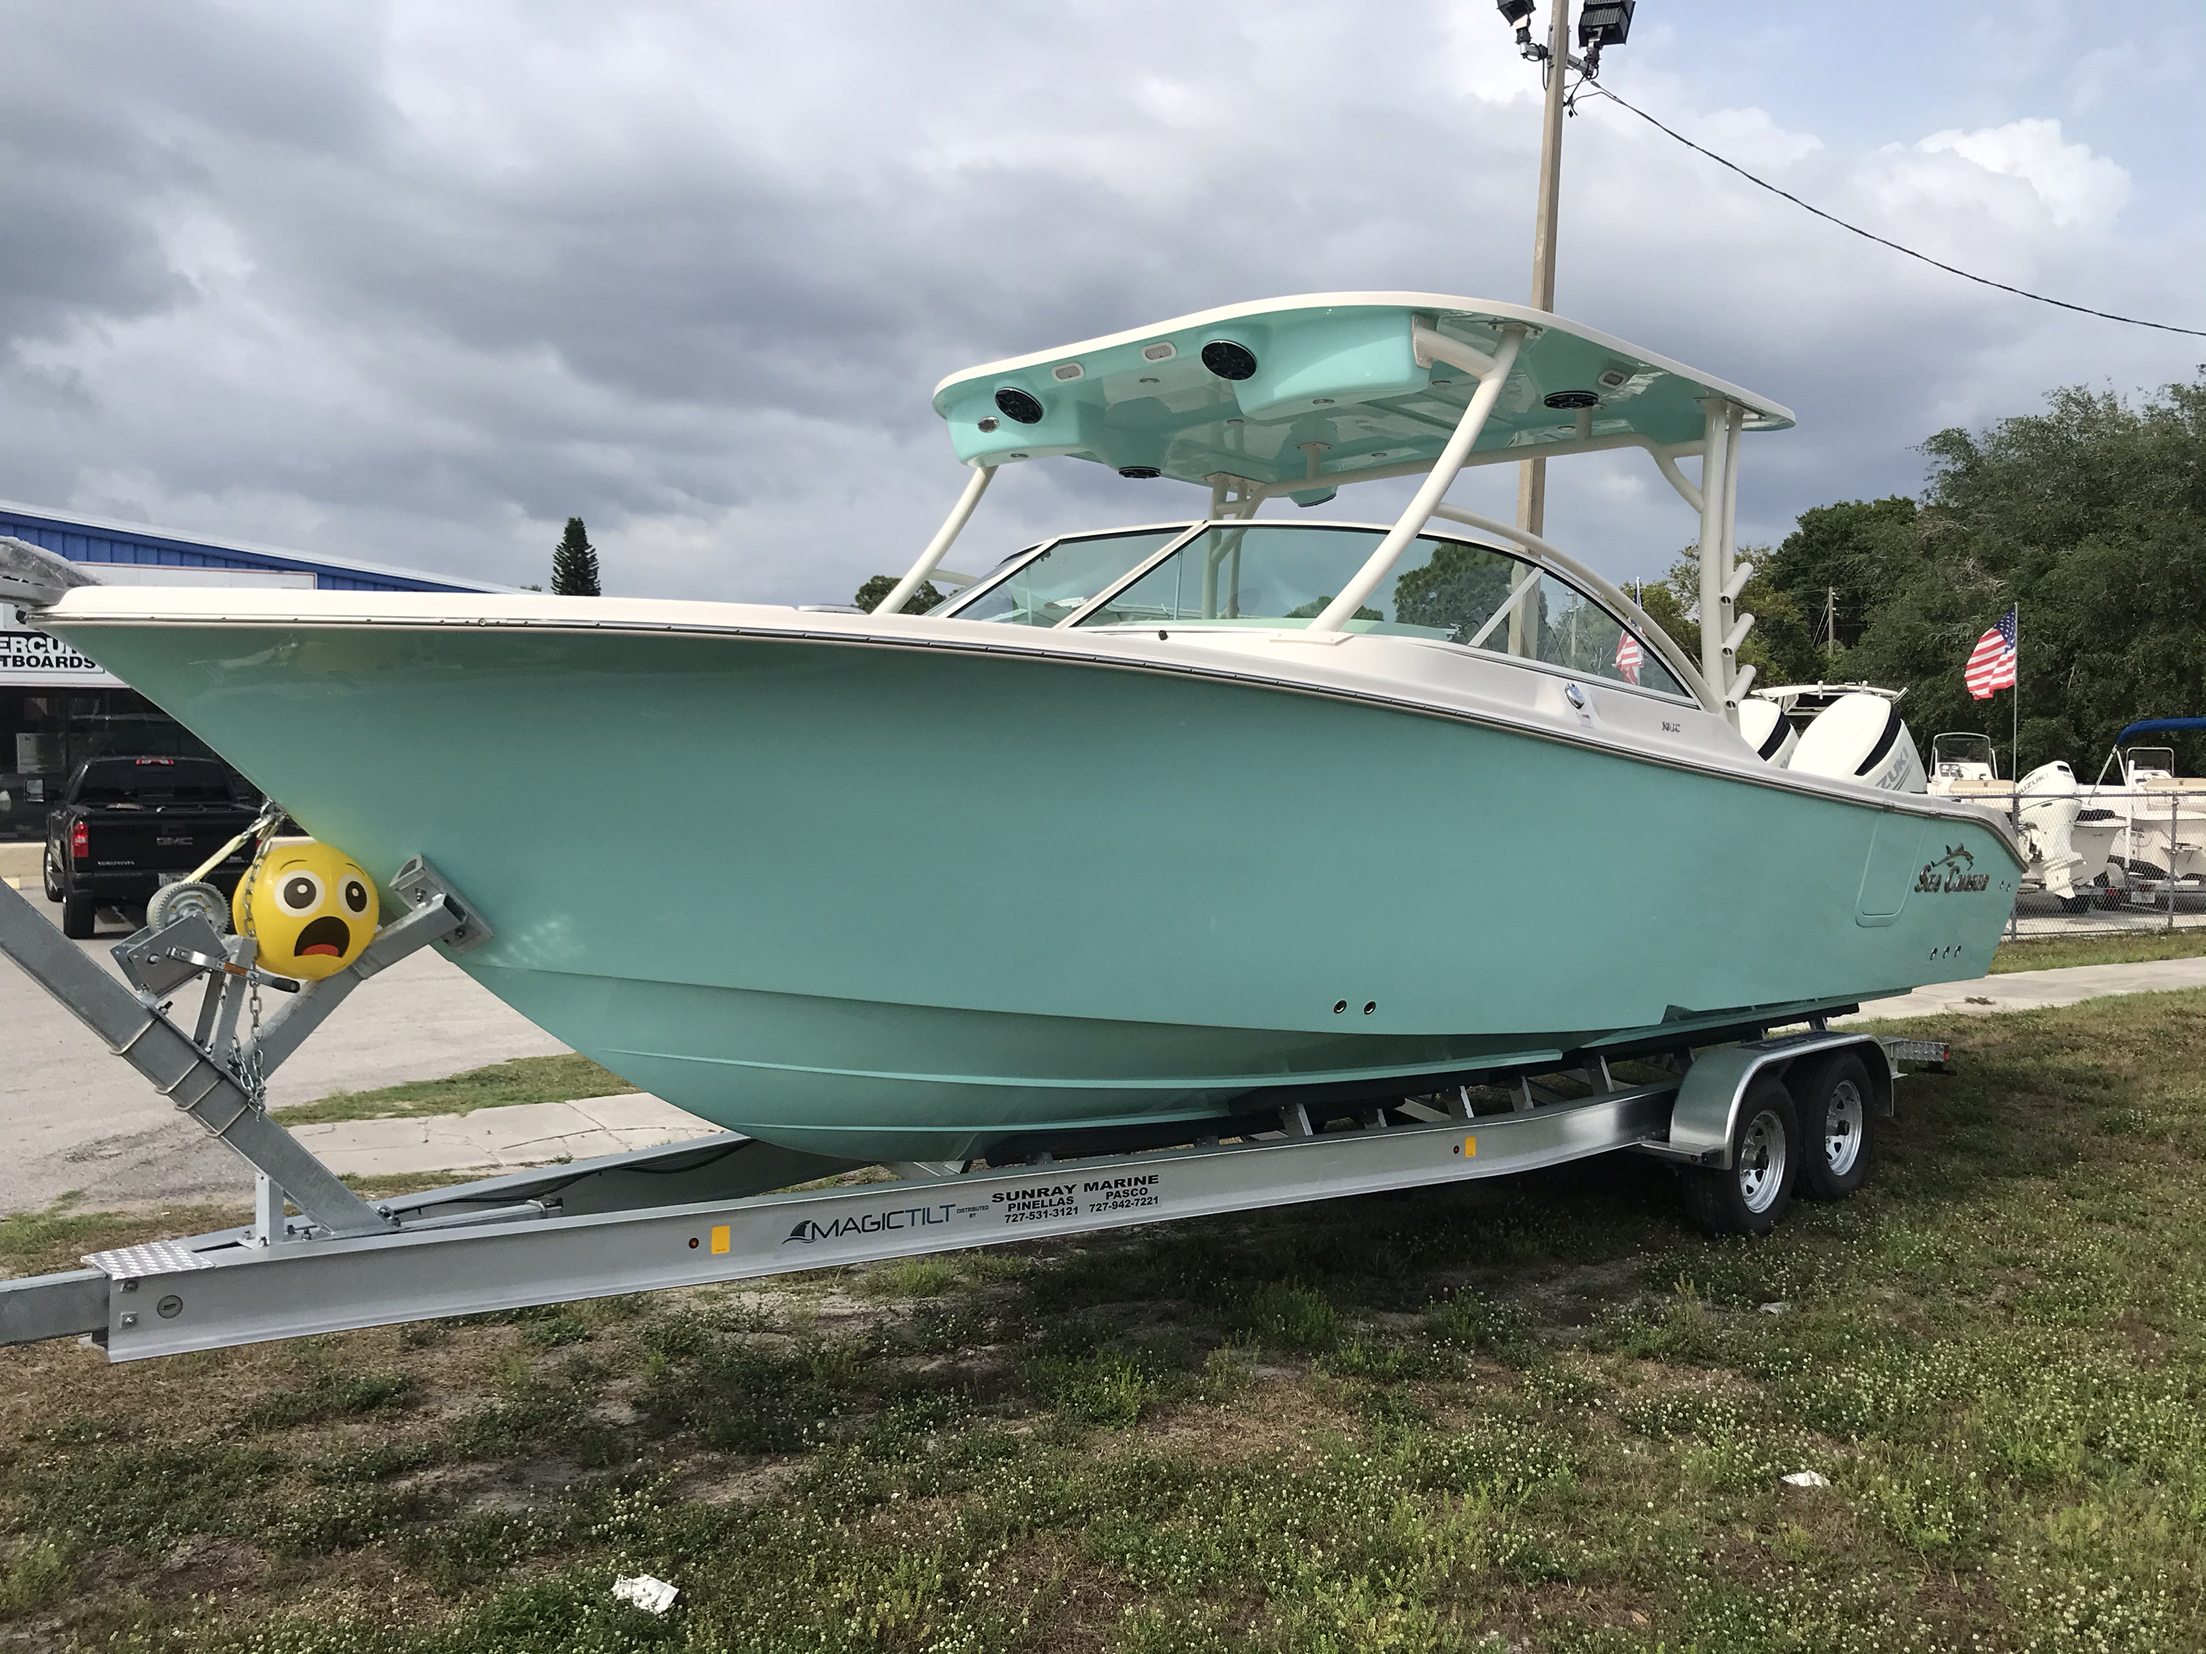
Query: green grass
{"x": 2044, "y": 953}
{"x": 1538, "y": 1416}
{"x": 501, "y": 1085}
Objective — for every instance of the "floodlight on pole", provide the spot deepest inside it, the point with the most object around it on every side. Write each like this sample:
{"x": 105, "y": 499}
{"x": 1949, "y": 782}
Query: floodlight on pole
{"x": 1603, "y": 23}
{"x": 1517, "y": 14}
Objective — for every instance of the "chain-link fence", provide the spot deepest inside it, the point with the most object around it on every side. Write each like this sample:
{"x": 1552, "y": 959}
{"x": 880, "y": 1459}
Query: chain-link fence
{"x": 2114, "y": 862}
{"x": 2037, "y": 913}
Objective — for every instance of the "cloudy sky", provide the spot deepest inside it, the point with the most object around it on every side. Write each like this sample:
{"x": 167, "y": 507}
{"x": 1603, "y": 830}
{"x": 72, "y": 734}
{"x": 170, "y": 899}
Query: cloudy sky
{"x": 413, "y": 280}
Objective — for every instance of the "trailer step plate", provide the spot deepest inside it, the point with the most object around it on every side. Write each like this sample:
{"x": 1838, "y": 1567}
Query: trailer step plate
{"x": 129, "y": 1263}
{"x": 1930, "y": 1052}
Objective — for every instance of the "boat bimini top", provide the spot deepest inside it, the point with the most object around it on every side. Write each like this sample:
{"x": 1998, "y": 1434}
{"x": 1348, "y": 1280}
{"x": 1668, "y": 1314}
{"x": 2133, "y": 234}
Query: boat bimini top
{"x": 1298, "y": 396}
{"x": 2158, "y": 726}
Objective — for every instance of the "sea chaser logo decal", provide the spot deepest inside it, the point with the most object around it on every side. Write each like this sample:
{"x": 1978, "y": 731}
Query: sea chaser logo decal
{"x": 869, "y": 1223}
{"x": 1955, "y": 870}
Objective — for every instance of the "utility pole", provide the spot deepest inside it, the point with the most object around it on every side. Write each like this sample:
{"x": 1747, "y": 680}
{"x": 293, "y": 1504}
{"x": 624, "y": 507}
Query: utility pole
{"x": 1600, "y": 23}
{"x": 1532, "y": 474}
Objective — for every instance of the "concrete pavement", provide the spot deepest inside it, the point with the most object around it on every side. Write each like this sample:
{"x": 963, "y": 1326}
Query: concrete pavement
{"x": 71, "y": 1117}
{"x": 2038, "y": 990}
{"x": 501, "y": 1139}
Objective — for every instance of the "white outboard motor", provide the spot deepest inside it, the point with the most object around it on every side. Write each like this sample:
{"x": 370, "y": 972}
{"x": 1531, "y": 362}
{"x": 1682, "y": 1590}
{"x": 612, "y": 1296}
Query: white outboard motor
{"x": 2068, "y": 844}
{"x": 1768, "y": 731}
{"x": 1861, "y": 737}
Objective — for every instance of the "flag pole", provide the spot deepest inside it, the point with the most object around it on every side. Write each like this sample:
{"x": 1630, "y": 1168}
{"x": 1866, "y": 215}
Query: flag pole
{"x": 2014, "y": 706}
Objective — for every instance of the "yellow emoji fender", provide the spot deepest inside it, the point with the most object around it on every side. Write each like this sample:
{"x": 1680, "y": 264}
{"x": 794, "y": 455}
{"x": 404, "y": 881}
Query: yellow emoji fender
{"x": 310, "y": 907}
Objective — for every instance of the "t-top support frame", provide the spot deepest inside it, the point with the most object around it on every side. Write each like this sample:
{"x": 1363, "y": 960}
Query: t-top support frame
{"x": 1493, "y": 373}
{"x": 945, "y": 537}
{"x": 1719, "y": 683}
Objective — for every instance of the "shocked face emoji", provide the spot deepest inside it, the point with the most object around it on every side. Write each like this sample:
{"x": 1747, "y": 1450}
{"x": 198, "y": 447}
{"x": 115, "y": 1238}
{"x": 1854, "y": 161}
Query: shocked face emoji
{"x": 310, "y": 907}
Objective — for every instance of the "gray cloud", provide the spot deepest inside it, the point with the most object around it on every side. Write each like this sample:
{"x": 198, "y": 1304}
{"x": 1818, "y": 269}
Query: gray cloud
{"x": 415, "y": 282}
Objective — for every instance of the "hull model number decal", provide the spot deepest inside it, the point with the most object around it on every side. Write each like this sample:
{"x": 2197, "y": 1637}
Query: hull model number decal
{"x": 1955, "y": 870}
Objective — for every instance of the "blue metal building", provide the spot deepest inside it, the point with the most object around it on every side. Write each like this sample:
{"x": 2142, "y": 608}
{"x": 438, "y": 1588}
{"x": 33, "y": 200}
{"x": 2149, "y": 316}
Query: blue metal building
{"x": 96, "y": 540}
{"x": 57, "y": 709}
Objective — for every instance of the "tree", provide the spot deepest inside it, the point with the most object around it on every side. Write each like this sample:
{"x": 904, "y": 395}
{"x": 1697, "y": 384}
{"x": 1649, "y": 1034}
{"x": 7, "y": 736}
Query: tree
{"x": 2091, "y": 515}
{"x": 1456, "y": 591}
{"x": 1847, "y": 559}
{"x": 873, "y": 591}
{"x": 574, "y": 563}
{"x": 1774, "y": 648}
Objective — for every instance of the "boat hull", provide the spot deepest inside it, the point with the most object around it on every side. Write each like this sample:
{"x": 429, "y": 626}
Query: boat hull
{"x": 2162, "y": 833}
{"x": 888, "y": 902}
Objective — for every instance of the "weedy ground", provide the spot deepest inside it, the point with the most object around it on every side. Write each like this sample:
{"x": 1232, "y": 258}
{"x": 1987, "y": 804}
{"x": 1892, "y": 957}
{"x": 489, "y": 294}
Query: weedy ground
{"x": 2044, "y": 953}
{"x": 1540, "y": 1415}
{"x": 557, "y": 1079}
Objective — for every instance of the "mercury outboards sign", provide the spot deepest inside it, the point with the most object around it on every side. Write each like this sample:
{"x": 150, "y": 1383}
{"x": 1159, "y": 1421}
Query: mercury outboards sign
{"x": 31, "y": 577}
{"x": 29, "y": 656}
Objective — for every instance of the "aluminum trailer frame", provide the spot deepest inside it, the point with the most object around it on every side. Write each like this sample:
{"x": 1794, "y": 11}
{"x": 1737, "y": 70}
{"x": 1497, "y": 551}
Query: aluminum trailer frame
{"x": 722, "y": 1208}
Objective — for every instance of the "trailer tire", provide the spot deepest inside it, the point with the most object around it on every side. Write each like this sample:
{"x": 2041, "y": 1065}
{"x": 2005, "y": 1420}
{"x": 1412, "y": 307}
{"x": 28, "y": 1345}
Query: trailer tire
{"x": 79, "y": 916}
{"x": 1837, "y": 1105}
{"x": 1751, "y": 1196}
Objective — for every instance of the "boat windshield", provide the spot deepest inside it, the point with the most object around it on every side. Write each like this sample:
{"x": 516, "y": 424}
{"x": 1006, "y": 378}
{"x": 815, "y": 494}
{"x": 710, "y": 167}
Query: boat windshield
{"x": 1277, "y": 574}
{"x": 1964, "y": 757}
{"x": 2149, "y": 763}
{"x": 1047, "y": 588}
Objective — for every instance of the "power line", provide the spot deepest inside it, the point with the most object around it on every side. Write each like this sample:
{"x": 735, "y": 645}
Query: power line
{"x": 1867, "y": 235}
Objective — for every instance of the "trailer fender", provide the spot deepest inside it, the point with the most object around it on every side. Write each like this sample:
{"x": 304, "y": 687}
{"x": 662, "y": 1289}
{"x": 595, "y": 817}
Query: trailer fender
{"x": 1707, "y": 1108}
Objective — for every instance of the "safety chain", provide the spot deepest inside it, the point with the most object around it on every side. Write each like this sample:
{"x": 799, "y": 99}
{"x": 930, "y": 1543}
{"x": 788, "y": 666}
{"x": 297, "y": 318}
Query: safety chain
{"x": 245, "y": 1059}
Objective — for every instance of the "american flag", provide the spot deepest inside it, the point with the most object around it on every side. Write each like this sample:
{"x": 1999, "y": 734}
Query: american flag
{"x": 1628, "y": 656}
{"x": 1992, "y": 666}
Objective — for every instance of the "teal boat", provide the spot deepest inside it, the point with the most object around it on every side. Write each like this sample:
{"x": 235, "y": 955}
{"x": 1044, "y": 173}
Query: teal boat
{"x": 1145, "y": 832}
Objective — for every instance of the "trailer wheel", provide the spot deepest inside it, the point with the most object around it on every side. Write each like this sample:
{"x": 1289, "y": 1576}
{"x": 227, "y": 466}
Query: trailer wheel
{"x": 1837, "y": 1124}
{"x": 79, "y": 919}
{"x": 1749, "y": 1198}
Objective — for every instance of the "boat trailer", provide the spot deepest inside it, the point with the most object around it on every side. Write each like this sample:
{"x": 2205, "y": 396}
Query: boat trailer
{"x": 727, "y": 1207}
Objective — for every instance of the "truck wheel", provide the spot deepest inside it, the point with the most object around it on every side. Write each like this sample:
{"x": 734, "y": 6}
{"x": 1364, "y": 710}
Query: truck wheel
{"x": 1837, "y": 1126}
{"x": 54, "y": 890}
{"x": 78, "y": 919}
{"x": 1750, "y": 1197}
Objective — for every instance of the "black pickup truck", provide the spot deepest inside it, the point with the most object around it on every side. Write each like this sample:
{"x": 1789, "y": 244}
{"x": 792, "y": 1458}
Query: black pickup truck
{"x": 127, "y": 826}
